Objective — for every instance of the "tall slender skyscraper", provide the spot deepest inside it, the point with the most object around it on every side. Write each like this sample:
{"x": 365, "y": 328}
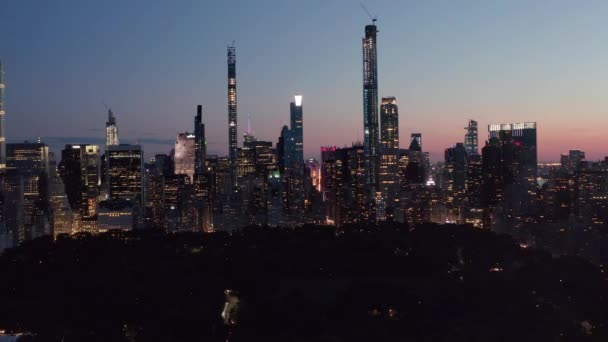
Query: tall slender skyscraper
{"x": 202, "y": 183}
{"x": 200, "y": 144}
{"x": 232, "y": 114}
{"x": 370, "y": 108}
{"x": 296, "y": 116}
{"x": 2, "y": 123}
{"x": 111, "y": 130}
{"x": 471, "y": 138}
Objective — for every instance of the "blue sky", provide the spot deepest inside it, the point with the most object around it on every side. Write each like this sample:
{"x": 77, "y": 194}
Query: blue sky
{"x": 446, "y": 61}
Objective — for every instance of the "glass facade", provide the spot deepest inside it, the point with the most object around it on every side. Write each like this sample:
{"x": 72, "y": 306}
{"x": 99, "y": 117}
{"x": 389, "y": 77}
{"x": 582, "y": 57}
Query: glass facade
{"x": 370, "y": 109}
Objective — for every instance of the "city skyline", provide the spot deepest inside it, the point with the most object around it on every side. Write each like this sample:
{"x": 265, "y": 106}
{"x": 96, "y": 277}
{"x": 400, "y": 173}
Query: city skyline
{"x": 464, "y": 83}
{"x": 400, "y": 162}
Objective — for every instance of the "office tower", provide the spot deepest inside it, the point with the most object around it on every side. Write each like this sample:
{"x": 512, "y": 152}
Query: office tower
{"x": 80, "y": 170}
{"x": 493, "y": 184}
{"x": 111, "y": 130}
{"x": 288, "y": 149}
{"x": 203, "y": 180}
{"x": 61, "y": 212}
{"x": 474, "y": 209}
{"x": 2, "y": 122}
{"x": 315, "y": 173}
{"x": 571, "y": 161}
{"x": 471, "y": 138}
{"x": 219, "y": 168}
{"x": 455, "y": 173}
{"x": 151, "y": 180}
{"x": 185, "y": 155}
{"x": 27, "y": 166}
{"x": 282, "y": 149}
{"x": 232, "y": 115}
{"x": 293, "y": 164}
{"x": 329, "y": 167}
{"x": 370, "y": 108}
{"x": 71, "y": 173}
{"x": 245, "y": 162}
{"x": 296, "y": 116}
{"x": 591, "y": 195}
{"x": 416, "y": 142}
{"x": 276, "y": 200}
{"x": 125, "y": 171}
{"x": 200, "y": 144}
{"x": 415, "y": 169}
{"x": 264, "y": 158}
{"x": 327, "y": 156}
{"x": 91, "y": 173}
{"x": 389, "y": 149}
{"x": 519, "y": 156}
{"x": 345, "y": 185}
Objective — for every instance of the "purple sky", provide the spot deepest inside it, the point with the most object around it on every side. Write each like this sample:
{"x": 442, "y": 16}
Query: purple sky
{"x": 153, "y": 61}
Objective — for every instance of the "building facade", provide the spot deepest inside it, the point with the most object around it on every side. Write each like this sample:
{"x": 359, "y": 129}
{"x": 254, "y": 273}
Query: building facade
{"x": 125, "y": 171}
{"x": 185, "y": 155}
{"x": 370, "y": 109}
{"x": 389, "y": 148}
{"x": 232, "y": 115}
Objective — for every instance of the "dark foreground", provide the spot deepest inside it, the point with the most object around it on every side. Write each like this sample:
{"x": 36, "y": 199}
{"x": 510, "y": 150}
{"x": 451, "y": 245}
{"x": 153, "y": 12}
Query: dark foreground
{"x": 434, "y": 283}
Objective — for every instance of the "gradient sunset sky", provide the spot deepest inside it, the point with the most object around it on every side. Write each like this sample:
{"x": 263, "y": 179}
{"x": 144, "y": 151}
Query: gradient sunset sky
{"x": 446, "y": 61}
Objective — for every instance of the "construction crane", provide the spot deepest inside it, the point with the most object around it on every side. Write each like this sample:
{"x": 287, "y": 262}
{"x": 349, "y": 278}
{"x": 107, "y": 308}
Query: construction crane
{"x": 108, "y": 108}
{"x": 372, "y": 17}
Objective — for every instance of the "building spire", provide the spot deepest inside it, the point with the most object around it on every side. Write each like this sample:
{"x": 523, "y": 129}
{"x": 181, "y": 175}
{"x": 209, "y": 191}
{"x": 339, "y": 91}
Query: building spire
{"x": 111, "y": 129}
{"x": 249, "y": 123}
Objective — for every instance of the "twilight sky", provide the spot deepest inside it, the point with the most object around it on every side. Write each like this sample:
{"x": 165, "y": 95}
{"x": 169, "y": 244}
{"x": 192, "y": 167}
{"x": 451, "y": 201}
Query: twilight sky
{"x": 446, "y": 61}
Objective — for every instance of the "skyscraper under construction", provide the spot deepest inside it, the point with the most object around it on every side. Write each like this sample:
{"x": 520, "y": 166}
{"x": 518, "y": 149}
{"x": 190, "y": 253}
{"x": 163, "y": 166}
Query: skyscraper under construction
{"x": 370, "y": 108}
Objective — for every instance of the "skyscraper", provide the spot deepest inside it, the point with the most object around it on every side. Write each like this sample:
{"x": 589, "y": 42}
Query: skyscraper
{"x": 389, "y": 149}
{"x": 111, "y": 130}
{"x": 2, "y": 122}
{"x": 471, "y": 138}
{"x": 455, "y": 174}
{"x": 80, "y": 171}
{"x": 474, "y": 210}
{"x": 200, "y": 143}
{"x": 60, "y": 212}
{"x": 571, "y": 161}
{"x": 416, "y": 142}
{"x": 232, "y": 115}
{"x": 202, "y": 180}
{"x": 296, "y": 117}
{"x": 523, "y": 136}
{"x": 283, "y": 149}
{"x": 125, "y": 169}
{"x": 415, "y": 169}
{"x": 518, "y": 148}
{"x": 370, "y": 108}
{"x": 185, "y": 155}
{"x": 27, "y": 187}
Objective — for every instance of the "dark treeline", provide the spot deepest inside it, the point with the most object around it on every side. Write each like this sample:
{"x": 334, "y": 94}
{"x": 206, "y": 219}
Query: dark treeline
{"x": 384, "y": 283}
